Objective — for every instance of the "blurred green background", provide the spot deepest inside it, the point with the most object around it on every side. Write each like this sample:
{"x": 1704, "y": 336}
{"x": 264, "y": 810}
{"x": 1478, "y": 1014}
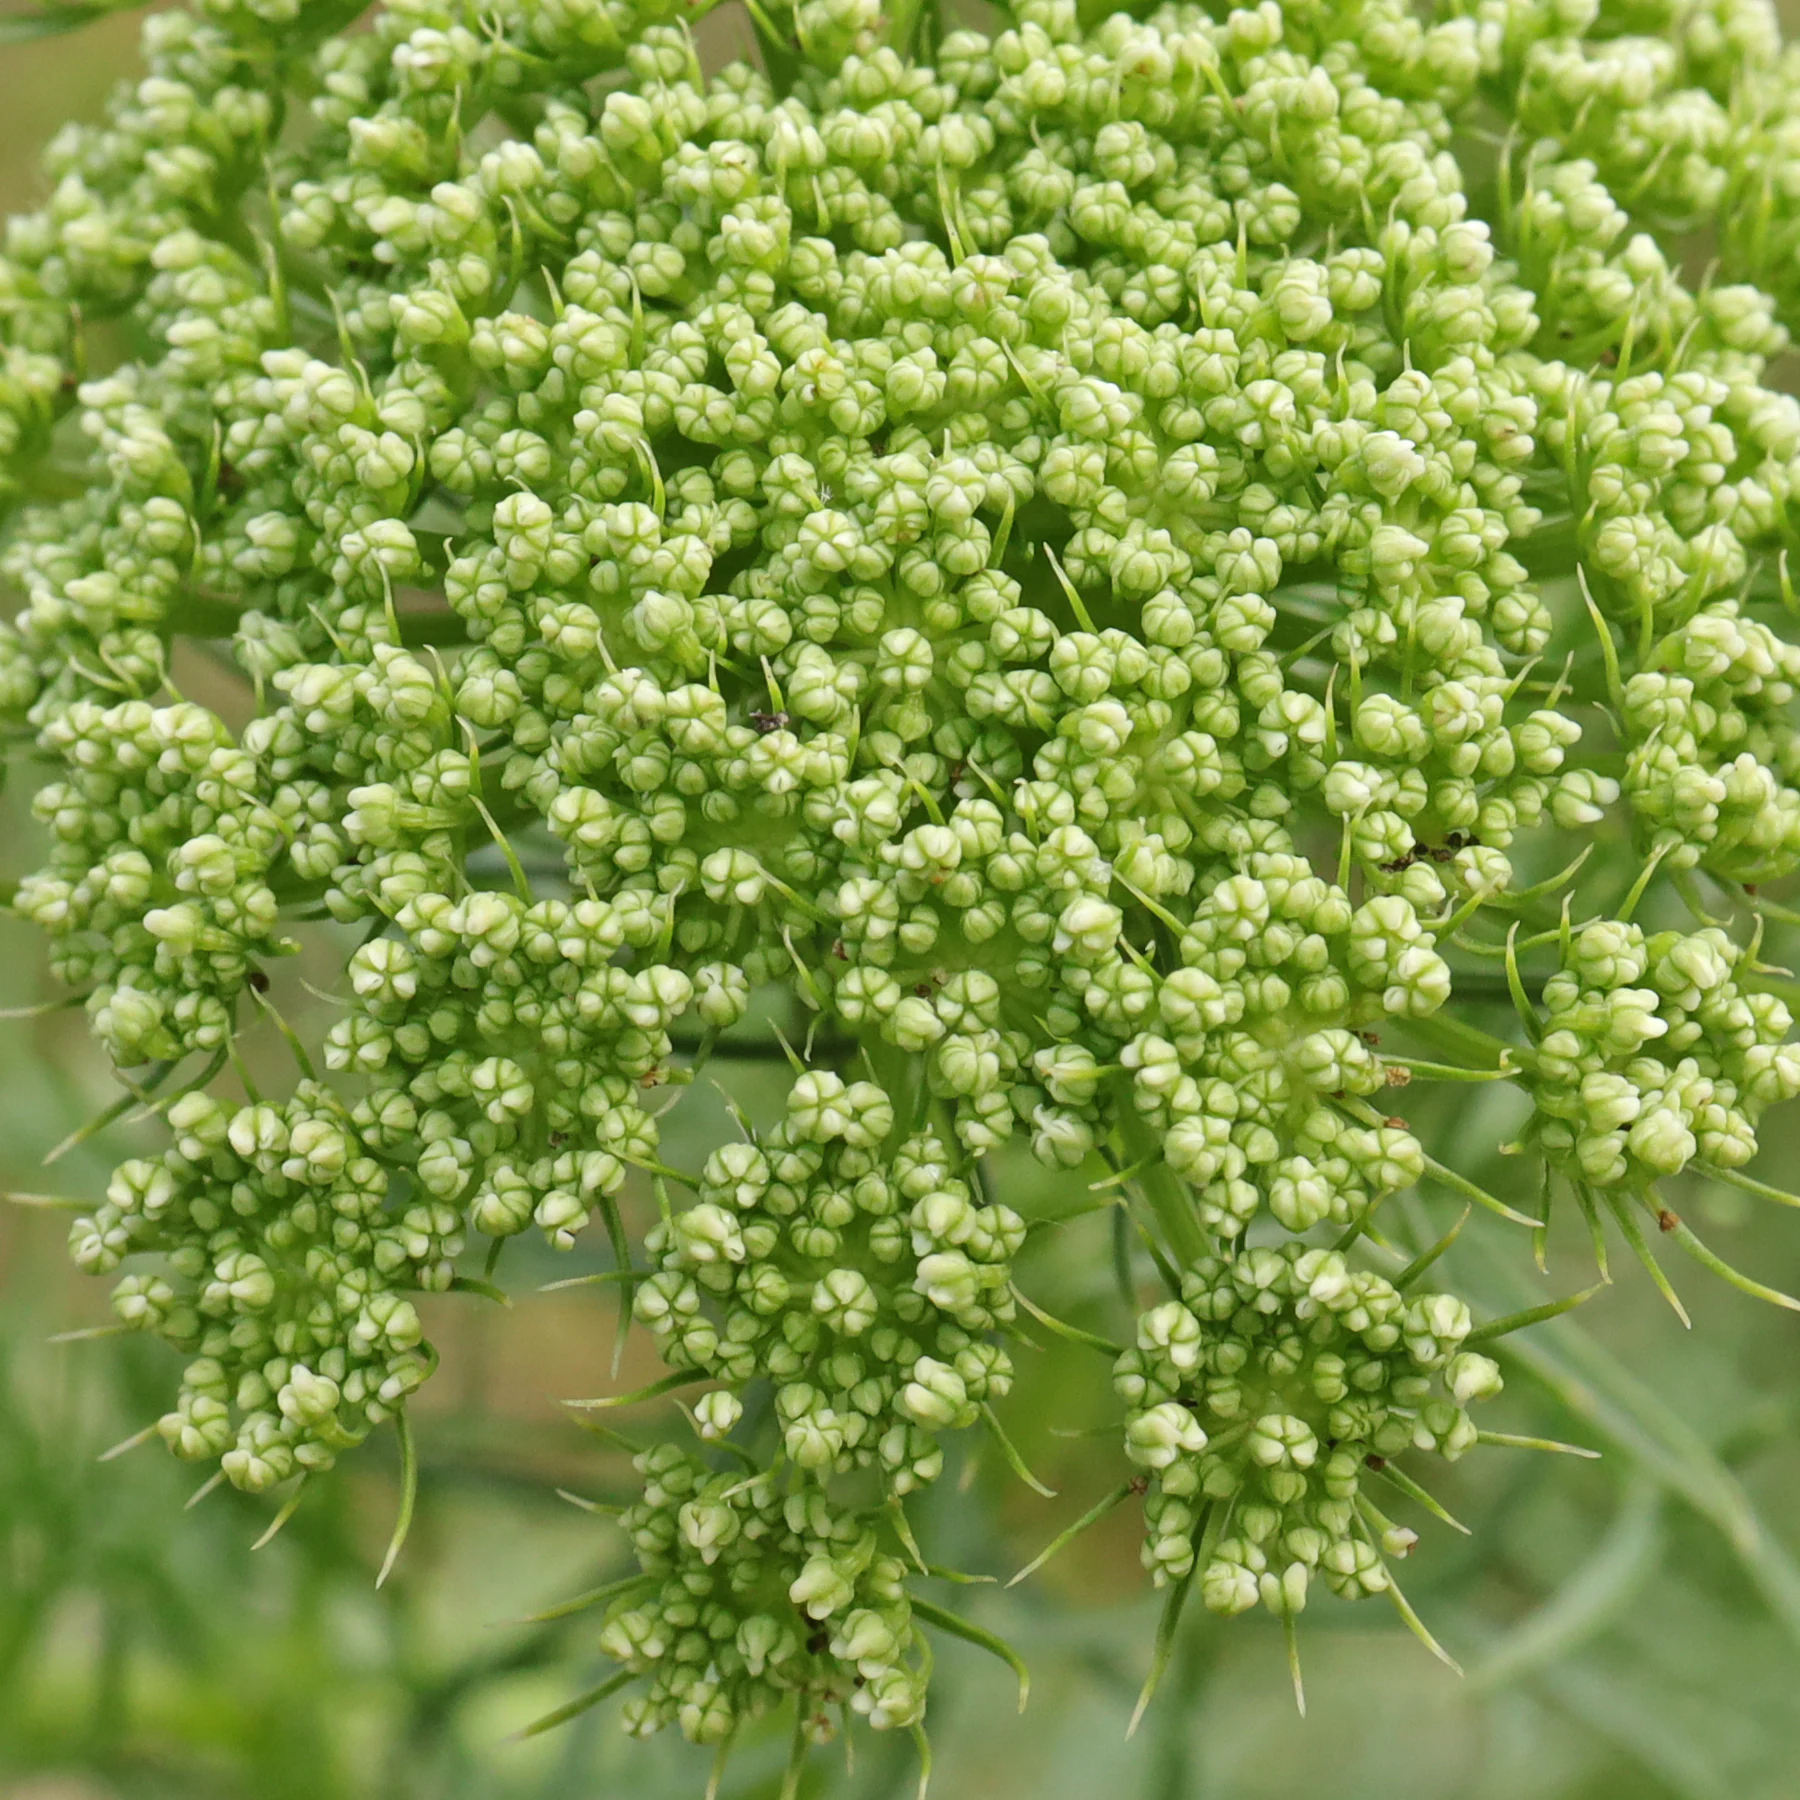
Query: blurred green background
{"x": 1631, "y": 1627}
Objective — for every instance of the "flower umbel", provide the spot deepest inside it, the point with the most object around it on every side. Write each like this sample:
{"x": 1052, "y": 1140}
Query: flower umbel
{"x": 1091, "y": 589}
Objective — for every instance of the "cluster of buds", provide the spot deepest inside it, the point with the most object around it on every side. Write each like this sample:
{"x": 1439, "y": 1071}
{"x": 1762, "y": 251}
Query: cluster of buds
{"x": 507, "y": 1051}
{"x": 1713, "y": 755}
{"x": 862, "y": 1281}
{"x": 1263, "y": 1029}
{"x": 748, "y": 1599}
{"x": 283, "y": 1269}
{"x": 158, "y": 892}
{"x": 1259, "y": 1401}
{"x": 1652, "y": 1056}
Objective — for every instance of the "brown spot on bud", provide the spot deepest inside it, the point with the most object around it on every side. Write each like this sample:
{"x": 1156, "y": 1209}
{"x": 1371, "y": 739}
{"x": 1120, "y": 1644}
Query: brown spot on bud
{"x": 257, "y": 982}
{"x": 838, "y": 950}
{"x": 1394, "y": 1124}
{"x": 1396, "y": 1076}
{"x": 1666, "y": 1220}
{"x": 1375, "y": 1462}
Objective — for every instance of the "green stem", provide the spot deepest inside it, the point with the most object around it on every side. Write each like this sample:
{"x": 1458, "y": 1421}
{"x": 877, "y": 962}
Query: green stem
{"x": 1165, "y": 1191}
{"x": 1468, "y": 1044}
{"x": 197, "y": 615}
